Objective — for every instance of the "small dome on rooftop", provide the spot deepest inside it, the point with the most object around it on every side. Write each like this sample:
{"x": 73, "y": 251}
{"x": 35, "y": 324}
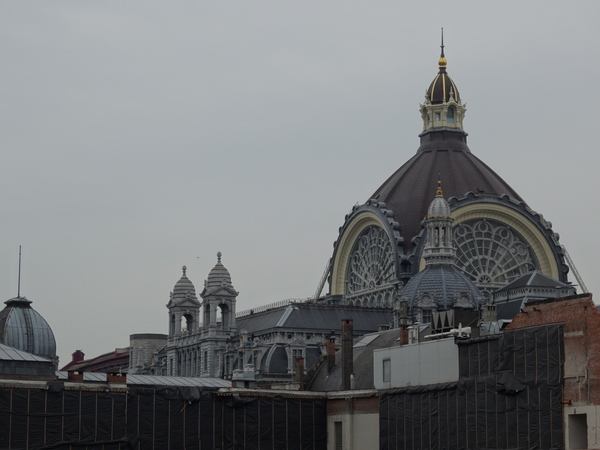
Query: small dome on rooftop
{"x": 219, "y": 275}
{"x": 184, "y": 288}
{"x": 439, "y": 207}
{"x": 23, "y": 328}
{"x": 442, "y": 286}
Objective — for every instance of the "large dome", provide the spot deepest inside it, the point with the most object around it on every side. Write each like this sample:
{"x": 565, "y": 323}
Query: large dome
{"x": 23, "y": 328}
{"x": 444, "y": 155}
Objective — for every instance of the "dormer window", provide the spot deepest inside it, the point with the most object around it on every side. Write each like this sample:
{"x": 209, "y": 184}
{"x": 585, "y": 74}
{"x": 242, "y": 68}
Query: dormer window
{"x": 450, "y": 115}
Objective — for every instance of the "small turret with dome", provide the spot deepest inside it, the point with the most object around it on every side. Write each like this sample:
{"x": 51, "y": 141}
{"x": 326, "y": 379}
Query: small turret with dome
{"x": 442, "y": 106}
{"x": 441, "y": 285}
{"x": 219, "y": 296}
{"x": 184, "y": 307}
{"x": 219, "y": 276}
{"x": 439, "y": 248}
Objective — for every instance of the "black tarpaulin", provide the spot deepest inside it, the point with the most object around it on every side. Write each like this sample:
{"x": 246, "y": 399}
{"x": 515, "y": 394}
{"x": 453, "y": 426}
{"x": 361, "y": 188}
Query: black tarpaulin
{"x": 59, "y": 419}
{"x": 159, "y": 418}
{"x": 508, "y": 396}
{"x": 166, "y": 419}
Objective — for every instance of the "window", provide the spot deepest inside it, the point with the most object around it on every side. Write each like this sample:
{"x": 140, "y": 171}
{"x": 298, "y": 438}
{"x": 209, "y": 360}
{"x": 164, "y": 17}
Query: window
{"x": 296, "y": 353}
{"x": 205, "y": 361}
{"x": 337, "y": 435}
{"x": 437, "y": 117}
{"x": 425, "y": 316}
{"x": 387, "y": 370}
{"x": 450, "y": 115}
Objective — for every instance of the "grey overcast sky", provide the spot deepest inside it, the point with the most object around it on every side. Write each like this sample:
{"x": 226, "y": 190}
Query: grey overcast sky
{"x": 139, "y": 136}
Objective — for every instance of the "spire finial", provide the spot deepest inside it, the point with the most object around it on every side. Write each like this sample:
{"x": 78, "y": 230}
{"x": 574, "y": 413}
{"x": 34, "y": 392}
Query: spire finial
{"x": 219, "y": 257}
{"x": 184, "y": 269}
{"x": 442, "y": 61}
{"x": 439, "y": 193}
{"x": 19, "y": 280}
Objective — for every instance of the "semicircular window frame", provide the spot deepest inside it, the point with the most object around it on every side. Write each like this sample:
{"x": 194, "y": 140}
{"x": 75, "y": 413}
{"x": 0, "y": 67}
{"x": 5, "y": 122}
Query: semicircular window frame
{"x": 492, "y": 253}
{"x": 371, "y": 268}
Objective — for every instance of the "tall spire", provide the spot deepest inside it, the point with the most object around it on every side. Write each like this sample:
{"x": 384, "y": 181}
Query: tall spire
{"x": 442, "y": 62}
{"x": 19, "y": 280}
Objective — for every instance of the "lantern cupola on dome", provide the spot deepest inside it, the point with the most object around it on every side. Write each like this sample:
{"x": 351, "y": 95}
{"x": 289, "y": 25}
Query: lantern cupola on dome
{"x": 442, "y": 106}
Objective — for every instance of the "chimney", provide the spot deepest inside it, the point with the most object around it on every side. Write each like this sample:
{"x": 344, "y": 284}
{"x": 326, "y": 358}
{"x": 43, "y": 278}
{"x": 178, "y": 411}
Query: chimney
{"x": 347, "y": 356}
{"x": 77, "y": 356}
{"x": 489, "y": 312}
{"x": 403, "y": 313}
{"x": 330, "y": 353}
{"x": 299, "y": 375}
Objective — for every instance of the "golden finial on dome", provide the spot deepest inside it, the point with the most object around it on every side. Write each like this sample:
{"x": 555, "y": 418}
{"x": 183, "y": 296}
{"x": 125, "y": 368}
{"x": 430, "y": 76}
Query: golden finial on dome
{"x": 442, "y": 61}
{"x": 439, "y": 193}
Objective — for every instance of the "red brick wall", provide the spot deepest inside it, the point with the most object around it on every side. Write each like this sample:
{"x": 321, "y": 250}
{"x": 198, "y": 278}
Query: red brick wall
{"x": 581, "y": 322}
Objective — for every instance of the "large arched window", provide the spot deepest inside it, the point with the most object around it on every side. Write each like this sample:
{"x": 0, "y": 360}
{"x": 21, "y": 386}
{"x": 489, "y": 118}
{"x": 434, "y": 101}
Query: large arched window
{"x": 370, "y": 267}
{"x": 491, "y": 253}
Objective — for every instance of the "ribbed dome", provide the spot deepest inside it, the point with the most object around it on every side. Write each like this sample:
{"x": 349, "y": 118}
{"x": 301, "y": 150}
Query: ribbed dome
{"x": 218, "y": 276}
{"x": 441, "y": 87}
{"x": 444, "y": 155}
{"x": 23, "y": 328}
{"x": 184, "y": 288}
{"x": 439, "y": 207}
{"x": 444, "y": 285}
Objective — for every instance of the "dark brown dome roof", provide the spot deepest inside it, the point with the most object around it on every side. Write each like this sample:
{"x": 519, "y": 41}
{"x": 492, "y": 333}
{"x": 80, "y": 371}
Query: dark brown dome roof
{"x": 440, "y": 88}
{"x": 444, "y": 155}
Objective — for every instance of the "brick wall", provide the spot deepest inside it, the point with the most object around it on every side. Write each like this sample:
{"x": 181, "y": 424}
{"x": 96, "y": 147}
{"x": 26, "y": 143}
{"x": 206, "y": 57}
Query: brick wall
{"x": 581, "y": 321}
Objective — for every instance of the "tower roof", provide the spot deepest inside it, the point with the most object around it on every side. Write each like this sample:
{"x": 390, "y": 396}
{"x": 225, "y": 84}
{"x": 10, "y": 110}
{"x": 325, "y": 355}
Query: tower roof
{"x": 442, "y": 85}
{"x": 23, "y": 328}
{"x": 408, "y": 191}
{"x": 184, "y": 289}
{"x": 439, "y": 207}
{"x": 218, "y": 276}
{"x": 444, "y": 286}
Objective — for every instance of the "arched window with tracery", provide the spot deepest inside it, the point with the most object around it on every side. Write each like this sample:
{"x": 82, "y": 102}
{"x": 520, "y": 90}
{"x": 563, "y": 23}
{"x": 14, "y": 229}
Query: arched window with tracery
{"x": 492, "y": 254}
{"x": 371, "y": 269}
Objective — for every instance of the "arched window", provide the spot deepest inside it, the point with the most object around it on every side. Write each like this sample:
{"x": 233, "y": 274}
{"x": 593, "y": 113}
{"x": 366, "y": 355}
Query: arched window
{"x": 450, "y": 115}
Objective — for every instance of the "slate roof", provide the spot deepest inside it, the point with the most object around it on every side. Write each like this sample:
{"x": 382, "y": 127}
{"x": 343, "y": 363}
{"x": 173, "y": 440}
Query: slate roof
{"x": 444, "y": 283}
{"x": 315, "y": 317}
{"x": 444, "y": 155}
{"x": 362, "y": 363}
{"x": 508, "y": 310}
{"x": 154, "y": 380}
{"x": 8, "y": 353}
{"x": 533, "y": 279}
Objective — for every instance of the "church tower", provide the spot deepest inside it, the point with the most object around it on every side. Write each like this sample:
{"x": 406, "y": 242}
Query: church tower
{"x": 218, "y": 301}
{"x": 184, "y": 307}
